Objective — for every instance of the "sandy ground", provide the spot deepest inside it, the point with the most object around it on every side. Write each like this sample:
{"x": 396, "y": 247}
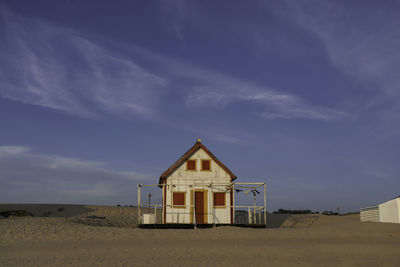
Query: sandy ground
{"x": 67, "y": 237}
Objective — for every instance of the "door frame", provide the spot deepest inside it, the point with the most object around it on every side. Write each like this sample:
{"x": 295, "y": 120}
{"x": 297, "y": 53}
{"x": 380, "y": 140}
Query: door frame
{"x": 192, "y": 205}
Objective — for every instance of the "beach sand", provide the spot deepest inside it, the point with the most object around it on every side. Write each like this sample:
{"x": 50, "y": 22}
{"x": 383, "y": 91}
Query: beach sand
{"x": 61, "y": 235}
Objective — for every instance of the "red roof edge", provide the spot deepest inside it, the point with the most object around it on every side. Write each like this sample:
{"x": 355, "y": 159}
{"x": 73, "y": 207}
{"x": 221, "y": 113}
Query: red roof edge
{"x": 187, "y": 155}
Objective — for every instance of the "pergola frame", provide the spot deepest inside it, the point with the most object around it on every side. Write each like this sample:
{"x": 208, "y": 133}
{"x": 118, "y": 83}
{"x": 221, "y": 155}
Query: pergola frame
{"x": 211, "y": 186}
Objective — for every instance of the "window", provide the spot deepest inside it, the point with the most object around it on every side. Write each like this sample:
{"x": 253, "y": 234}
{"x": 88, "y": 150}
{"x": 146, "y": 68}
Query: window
{"x": 206, "y": 165}
{"x": 178, "y": 199}
{"x": 219, "y": 199}
{"x": 191, "y": 165}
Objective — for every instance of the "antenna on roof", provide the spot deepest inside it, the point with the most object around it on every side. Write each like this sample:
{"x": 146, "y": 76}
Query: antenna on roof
{"x": 198, "y": 140}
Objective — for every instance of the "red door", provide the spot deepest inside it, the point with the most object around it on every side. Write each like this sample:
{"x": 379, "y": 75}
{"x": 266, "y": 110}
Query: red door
{"x": 199, "y": 207}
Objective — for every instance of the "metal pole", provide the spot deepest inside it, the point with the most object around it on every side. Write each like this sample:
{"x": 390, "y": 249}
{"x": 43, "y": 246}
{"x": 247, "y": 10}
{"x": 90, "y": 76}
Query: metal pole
{"x": 239, "y": 183}
{"x": 265, "y": 204}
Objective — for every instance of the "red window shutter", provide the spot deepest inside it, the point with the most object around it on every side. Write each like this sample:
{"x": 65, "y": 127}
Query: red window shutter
{"x": 219, "y": 199}
{"x": 205, "y": 165}
{"x": 178, "y": 198}
{"x": 191, "y": 165}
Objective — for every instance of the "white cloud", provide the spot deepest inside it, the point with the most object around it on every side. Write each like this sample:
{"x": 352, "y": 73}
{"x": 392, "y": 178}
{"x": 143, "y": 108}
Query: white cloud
{"x": 376, "y": 173}
{"x": 177, "y": 10}
{"x": 26, "y": 176}
{"x": 13, "y": 150}
{"x": 362, "y": 44}
{"x": 219, "y": 90}
{"x": 55, "y": 67}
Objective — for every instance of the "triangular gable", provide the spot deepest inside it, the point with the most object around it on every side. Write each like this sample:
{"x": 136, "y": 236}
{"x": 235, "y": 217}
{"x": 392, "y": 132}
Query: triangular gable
{"x": 187, "y": 155}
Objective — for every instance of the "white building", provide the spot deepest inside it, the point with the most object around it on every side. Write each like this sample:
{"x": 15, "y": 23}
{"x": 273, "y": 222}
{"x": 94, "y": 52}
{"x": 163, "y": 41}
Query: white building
{"x": 386, "y": 212}
{"x": 197, "y": 188}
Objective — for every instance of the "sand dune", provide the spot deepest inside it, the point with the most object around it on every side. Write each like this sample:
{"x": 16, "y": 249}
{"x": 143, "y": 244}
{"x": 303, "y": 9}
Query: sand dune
{"x": 64, "y": 235}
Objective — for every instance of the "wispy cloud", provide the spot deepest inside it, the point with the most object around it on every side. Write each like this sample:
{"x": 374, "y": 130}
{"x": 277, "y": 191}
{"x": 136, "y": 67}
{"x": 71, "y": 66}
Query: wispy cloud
{"x": 363, "y": 45}
{"x": 177, "y": 9}
{"x": 55, "y": 67}
{"x": 220, "y": 90}
{"x": 368, "y": 49}
{"x": 33, "y": 177}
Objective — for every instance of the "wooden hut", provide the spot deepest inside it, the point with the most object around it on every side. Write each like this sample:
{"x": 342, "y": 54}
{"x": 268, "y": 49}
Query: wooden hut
{"x": 197, "y": 189}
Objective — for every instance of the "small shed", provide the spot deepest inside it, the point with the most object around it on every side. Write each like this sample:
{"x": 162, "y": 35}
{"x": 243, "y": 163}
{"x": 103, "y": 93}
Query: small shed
{"x": 388, "y": 211}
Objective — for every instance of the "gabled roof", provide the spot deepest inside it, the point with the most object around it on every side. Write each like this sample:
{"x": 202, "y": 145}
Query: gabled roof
{"x": 187, "y": 155}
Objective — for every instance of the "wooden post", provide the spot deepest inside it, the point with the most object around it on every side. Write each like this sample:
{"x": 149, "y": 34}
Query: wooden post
{"x": 249, "y": 214}
{"x": 149, "y": 201}
{"x": 138, "y": 195}
{"x": 155, "y": 213}
{"x": 163, "y": 204}
{"x": 212, "y": 207}
{"x": 194, "y": 204}
{"x": 265, "y": 204}
{"x": 254, "y": 209}
{"x": 233, "y": 204}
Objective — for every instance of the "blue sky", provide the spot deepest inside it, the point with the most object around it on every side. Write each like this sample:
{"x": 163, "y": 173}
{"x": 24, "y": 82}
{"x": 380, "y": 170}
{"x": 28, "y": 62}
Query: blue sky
{"x": 96, "y": 97}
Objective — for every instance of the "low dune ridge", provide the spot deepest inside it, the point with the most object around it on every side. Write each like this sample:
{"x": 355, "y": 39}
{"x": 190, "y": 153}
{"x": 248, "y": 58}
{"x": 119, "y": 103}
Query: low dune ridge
{"x": 81, "y": 235}
{"x": 48, "y": 210}
{"x": 84, "y": 214}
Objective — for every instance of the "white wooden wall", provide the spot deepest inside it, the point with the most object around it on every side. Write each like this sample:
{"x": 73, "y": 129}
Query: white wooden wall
{"x": 390, "y": 211}
{"x": 182, "y": 180}
{"x": 370, "y": 214}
